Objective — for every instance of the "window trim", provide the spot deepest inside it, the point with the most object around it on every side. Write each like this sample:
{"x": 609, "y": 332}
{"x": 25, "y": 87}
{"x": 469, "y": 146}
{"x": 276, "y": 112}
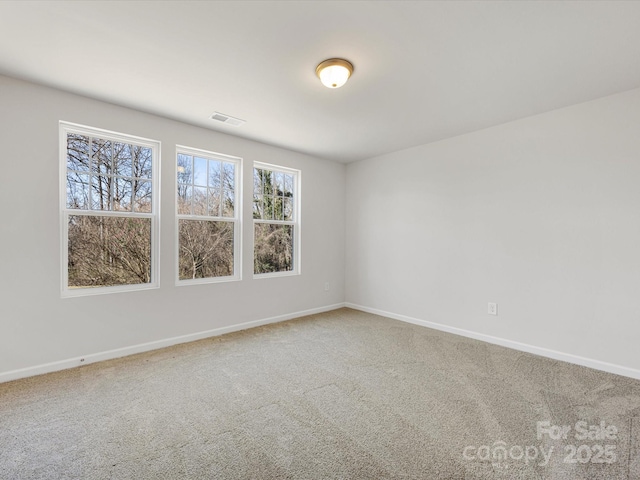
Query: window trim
{"x": 155, "y": 145}
{"x": 236, "y": 219}
{"x": 296, "y": 222}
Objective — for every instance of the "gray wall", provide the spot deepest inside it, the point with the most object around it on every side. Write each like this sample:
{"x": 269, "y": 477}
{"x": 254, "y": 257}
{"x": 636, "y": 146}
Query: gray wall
{"x": 37, "y": 327}
{"x": 540, "y": 215}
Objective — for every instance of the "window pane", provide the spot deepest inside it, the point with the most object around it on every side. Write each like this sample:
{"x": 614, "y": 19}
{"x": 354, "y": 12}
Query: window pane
{"x": 78, "y": 191}
{"x": 214, "y": 202}
{"x": 257, "y": 206}
{"x": 77, "y": 152}
{"x": 142, "y": 196}
{"x": 142, "y": 163}
{"x": 200, "y": 171}
{"x": 107, "y": 251}
{"x": 200, "y": 201}
{"x": 228, "y": 206}
{"x": 267, "y": 207}
{"x": 279, "y": 183}
{"x": 229, "y": 176}
{"x": 122, "y": 194}
{"x": 277, "y": 208}
{"x": 288, "y": 185}
{"x": 215, "y": 176}
{"x": 257, "y": 182}
{"x": 206, "y": 249}
{"x": 122, "y": 160}
{"x": 288, "y": 209}
{"x": 185, "y": 195}
{"x": 185, "y": 169}
{"x": 267, "y": 181}
{"x": 273, "y": 248}
{"x": 101, "y": 156}
{"x": 100, "y": 192}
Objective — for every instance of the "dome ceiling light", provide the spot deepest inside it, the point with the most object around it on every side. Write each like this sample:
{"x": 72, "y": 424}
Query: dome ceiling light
{"x": 335, "y": 72}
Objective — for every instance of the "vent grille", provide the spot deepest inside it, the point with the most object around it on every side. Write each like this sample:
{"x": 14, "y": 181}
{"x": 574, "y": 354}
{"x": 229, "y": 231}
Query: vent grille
{"x": 228, "y": 119}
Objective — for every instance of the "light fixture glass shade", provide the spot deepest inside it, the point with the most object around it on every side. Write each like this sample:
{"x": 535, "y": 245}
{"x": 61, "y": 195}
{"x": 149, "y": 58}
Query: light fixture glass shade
{"x": 334, "y": 73}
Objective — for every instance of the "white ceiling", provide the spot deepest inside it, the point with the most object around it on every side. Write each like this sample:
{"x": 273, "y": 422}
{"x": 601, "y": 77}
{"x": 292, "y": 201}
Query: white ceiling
{"x": 424, "y": 71}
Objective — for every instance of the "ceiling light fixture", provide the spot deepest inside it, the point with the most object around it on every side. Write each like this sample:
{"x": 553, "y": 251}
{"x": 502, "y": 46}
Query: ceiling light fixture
{"x": 335, "y": 72}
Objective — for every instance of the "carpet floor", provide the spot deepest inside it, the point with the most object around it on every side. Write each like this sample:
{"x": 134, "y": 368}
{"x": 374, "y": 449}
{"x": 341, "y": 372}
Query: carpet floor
{"x": 339, "y": 395}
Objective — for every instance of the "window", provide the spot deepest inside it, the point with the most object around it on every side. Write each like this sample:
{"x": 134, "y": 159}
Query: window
{"x": 276, "y": 220}
{"x": 109, "y": 211}
{"x": 208, "y": 214}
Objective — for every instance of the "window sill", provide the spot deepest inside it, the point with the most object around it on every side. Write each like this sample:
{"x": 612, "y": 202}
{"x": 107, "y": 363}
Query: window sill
{"x": 260, "y": 276}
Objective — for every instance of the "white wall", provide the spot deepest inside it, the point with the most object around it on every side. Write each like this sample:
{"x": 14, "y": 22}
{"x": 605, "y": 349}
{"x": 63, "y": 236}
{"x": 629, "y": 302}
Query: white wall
{"x": 37, "y": 327}
{"x": 540, "y": 215}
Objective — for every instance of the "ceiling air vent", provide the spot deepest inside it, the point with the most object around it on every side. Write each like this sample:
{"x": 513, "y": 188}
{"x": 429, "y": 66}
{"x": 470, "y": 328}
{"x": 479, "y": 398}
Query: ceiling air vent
{"x": 229, "y": 120}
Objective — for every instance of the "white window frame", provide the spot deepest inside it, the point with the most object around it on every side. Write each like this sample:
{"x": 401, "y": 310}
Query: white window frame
{"x": 295, "y": 222}
{"x": 236, "y": 219}
{"x": 68, "y": 127}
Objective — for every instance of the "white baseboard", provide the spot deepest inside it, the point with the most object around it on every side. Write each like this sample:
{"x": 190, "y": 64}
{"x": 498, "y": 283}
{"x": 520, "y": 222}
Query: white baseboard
{"x": 145, "y": 347}
{"x": 523, "y": 347}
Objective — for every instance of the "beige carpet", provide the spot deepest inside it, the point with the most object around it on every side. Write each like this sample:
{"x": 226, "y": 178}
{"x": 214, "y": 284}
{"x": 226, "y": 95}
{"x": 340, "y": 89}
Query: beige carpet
{"x": 340, "y": 395}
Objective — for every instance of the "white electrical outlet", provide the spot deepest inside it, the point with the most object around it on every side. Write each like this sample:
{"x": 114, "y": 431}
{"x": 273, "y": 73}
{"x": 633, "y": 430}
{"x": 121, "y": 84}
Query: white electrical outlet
{"x": 326, "y": 286}
{"x": 493, "y": 308}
